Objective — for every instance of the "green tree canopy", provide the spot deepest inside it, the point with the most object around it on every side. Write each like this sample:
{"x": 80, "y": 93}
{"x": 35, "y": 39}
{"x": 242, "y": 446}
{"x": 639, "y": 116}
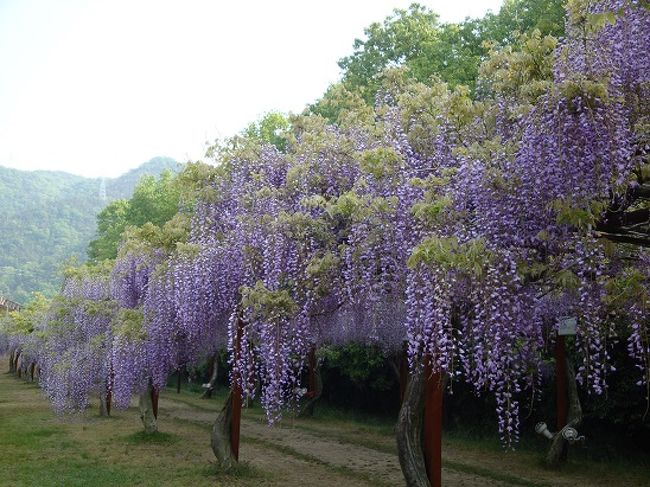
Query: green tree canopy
{"x": 155, "y": 201}
{"x": 416, "y": 40}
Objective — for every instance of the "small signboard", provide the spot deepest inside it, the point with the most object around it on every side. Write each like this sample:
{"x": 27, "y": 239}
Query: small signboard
{"x": 567, "y": 326}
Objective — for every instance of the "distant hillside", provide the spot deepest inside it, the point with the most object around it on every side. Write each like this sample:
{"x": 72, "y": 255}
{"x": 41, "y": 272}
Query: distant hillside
{"x": 47, "y": 217}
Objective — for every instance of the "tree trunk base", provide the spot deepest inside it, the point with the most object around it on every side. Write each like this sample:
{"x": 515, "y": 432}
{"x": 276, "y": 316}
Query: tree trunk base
{"x": 221, "y": 441}
{"x": 409, "y": 427}
{"x": 103, "y": 405}
{"x": 307, "y": 410}
{"x": 147, "y": 412}
{"x": 557, "y": 453}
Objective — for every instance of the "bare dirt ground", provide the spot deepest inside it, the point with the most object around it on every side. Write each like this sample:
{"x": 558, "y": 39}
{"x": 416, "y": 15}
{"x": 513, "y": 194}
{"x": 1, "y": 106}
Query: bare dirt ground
{"x": 365, "y": 457}
{"x": 357, "y": 464}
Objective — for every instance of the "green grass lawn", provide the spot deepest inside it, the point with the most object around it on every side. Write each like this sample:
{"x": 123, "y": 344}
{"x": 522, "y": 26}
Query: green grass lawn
{"x": 38, "y": 448}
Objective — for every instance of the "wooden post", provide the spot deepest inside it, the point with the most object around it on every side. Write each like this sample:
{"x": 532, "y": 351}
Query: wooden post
{"x": 432, "y": 447}
{"x": 235, "y": 423}
{"x": 312, "y": 372}
{"x": 155, "y": 393}
{"x": 403, "y": 375}
{"x": 178, "y": 381}
{"x": 561, "y": 391}
{"x": 31, "y": 370}
{"x": 109, "y": 400}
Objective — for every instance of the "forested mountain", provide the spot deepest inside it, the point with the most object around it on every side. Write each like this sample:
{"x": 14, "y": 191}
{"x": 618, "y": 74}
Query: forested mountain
{"x": 48, "y": 216}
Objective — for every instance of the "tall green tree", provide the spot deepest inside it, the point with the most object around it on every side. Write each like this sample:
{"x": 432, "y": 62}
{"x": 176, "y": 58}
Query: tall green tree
{"x": 416, "y": 40}
{"x": 155, "y": 201}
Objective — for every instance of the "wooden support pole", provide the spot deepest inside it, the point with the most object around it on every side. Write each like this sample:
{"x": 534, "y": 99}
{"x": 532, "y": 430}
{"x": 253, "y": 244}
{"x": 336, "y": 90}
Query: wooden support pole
{"x": 432, "y": 441}
{"x": 178, "y": 380}
{"x": 312, "y": 373}
{"x": 561, "y": 386}
{"x": 31, "y": 370}
{"x": 235, "y": 423}
{"x": 155, "y": 394}
{"x": 109, "y": 400}
{"x": 403, "y": 375}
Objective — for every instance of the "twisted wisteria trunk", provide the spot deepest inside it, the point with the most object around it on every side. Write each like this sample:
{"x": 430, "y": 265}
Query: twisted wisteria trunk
{"x": 105, "y": 399}
{"x": 225, "y": 431}
{"x": 11, "y": 363}
{"x": 221, "y": 439}
{"x": 419, "y": 427}
{"x": 556, "y": 455}
{"x": 315, "y": 386}
{"x": 409, "y": 430}
{"x": 212, "y": 383}
{"x": 103, "y": 404}
{"x": 18, "y": 369}
{"x": 32, "y": 367}
{"x": 147, "y": 412}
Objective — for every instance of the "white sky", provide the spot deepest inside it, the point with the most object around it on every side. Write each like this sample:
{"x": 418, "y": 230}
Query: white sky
{"x": 98, "y": 87}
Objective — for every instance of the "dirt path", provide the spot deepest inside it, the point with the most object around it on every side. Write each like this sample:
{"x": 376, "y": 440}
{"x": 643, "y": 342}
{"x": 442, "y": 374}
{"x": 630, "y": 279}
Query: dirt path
{"x": 366, "y": 458}
{"x": 361, "y": 465}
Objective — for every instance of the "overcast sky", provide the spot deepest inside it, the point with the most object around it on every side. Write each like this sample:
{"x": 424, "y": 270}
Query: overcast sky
{"x": 98, "y": 87}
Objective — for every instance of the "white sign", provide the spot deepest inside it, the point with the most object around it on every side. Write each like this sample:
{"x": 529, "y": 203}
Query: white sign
{"x": 567, "y": 326}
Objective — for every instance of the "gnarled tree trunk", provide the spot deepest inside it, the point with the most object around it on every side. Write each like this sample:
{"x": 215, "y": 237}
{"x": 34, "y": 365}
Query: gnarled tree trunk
{"x": 11, "y": 363}
{"x": 105, "y": 399}
{"x": 103, "y": 404}
{"x": 556, "y": 453}
{"x": 409, "y": 428}
{"x": 315, "y": 382}
{"x": 221, "y": 439}
{"x": 16, "y": 358}
{"x": 212, "y": 383}
{"x": 419, "y": 426}
{"x": 147, "y": 411}
{"x": 19, "y": 366}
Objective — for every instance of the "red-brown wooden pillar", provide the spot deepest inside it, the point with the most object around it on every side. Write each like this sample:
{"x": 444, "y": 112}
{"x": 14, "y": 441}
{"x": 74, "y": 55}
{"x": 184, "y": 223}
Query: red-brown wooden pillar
{"x": 561, "y": 386}
{"x": 403, "y": 375}
{"x": 155, "y": 394}
{"x": 109, "y": 401}
{"x": 235, "y": 423}
{"x": 433, "y": 426}
{"x": 311, "y": 362}
{"x": 561, "y": 389}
